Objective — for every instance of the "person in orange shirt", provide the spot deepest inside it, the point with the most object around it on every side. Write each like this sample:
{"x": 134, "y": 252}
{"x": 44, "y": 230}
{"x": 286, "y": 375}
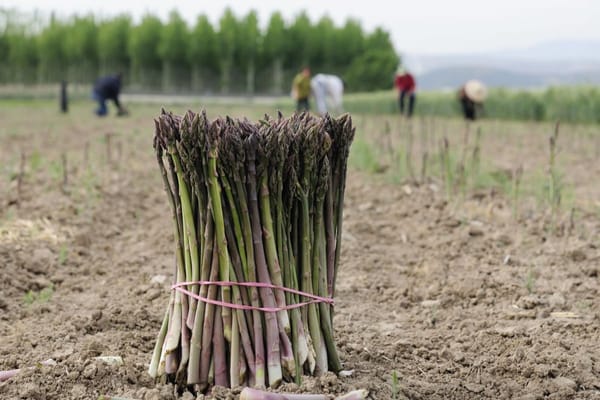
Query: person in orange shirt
{"x": 405, "y": 84}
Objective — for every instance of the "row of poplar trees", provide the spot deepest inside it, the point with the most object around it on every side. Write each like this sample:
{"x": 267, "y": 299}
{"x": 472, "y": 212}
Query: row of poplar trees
{"x": 234, "y": 55}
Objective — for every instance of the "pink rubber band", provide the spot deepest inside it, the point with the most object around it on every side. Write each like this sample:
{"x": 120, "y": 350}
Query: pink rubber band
{"x": 315, "y": 299}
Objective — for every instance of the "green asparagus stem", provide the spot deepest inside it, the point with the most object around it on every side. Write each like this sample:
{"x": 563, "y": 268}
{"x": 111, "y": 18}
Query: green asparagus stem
{"x": 271, "y": 251}
{"x": 243, "y": 321}
{"x": 208, "y": 323}
{"x": 346, "y": 135}
{"x": 174, "y": 333}
{"x": 233, "y": 209}
{"x": 234, "y": 159}
{"x": 287, "y": 357}
{"x": 185, "y": 341}
{"x": 215, "y": 198}
{"x": 330, "y": 237}
{"x": 196, "y": 340}
{"x": 320, "y": 268}
{"x": 153, "y": 369}
{"x": 250, "y": 276}
{"x": 236, "y": 272}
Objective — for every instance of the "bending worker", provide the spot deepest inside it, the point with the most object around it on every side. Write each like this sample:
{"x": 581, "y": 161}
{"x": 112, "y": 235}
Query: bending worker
{"x": 108, "y": 88}
{"x": 328, "y": 90}
{"x": 471, "y": 96}
{"x": 405, "y": 84}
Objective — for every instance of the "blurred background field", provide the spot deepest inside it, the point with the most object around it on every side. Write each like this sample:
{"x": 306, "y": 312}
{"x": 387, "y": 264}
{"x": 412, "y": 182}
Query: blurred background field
{"x": 578, "y": 104}
{"x": 394, "y": 149}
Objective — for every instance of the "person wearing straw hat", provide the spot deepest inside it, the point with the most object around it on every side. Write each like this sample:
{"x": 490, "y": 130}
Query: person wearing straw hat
{"x": 472, "y": 95}
{"x": 405, "y": 84}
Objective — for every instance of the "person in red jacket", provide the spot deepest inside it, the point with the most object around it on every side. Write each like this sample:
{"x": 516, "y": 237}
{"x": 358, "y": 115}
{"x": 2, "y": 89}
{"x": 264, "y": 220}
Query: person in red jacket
{"x": 405, "y": 84}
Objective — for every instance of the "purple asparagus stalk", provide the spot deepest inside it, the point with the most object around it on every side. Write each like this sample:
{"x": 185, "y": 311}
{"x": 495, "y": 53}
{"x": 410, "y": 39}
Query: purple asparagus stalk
{"x": 268, "y": 299}
{"x": 208, "y": 324}
{"x": 219, "y": 351}
{"x": 196, "y": 340}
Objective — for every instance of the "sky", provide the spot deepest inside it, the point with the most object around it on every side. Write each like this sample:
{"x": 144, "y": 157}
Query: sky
{"x": 420, "y": 26}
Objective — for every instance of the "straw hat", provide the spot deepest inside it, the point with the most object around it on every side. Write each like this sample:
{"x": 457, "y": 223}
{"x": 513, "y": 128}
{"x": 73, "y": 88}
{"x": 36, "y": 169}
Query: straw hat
{"x": 476, "y": 91}
{"x": 400, "y": 71}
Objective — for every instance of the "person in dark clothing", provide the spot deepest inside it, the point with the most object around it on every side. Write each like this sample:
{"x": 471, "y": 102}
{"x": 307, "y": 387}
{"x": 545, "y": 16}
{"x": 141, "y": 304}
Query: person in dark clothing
{"x": 468, "y": 105}
{"x": 405, "y": 84}
{"x": 471, "y": 96}
{"x": 108, "y": 88}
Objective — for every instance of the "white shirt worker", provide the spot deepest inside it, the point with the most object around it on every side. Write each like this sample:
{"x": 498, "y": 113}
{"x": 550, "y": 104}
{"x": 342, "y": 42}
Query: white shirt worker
{"x": 328, "y": 91}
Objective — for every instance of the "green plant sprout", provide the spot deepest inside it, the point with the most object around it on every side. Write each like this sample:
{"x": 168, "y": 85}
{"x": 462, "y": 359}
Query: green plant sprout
{"x": 41, "y": 297}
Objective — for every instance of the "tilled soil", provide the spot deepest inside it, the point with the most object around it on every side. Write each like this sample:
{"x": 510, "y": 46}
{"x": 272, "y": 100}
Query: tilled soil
{"x": 457, "y": 300}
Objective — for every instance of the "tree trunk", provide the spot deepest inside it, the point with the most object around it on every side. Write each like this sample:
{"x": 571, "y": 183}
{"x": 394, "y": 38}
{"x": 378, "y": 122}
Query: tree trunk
{"x": 166, "y": 77}
{"x": 225, "y": 76}
{"x": 197, "y": 79}
{"x": 134, "y": 78}
{"x": 278, "y": 76}
{"x": 250, "y": 75}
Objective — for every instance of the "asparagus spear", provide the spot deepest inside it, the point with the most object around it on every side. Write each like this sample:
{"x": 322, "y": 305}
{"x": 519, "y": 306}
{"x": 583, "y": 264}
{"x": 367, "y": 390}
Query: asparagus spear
{"x": 208, "y": 323}
{"x": 237, "y": 161}
{"x": 196, "y": 339}
{"x": 215, "y": 198}
{"x": 253, "y": 394}
{"x": 219, "y": 351}
{"x": 272, "y": 332}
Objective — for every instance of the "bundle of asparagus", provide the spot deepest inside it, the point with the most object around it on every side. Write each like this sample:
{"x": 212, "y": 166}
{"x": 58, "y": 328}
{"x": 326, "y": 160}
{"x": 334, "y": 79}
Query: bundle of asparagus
{"x": 257, "y": 216}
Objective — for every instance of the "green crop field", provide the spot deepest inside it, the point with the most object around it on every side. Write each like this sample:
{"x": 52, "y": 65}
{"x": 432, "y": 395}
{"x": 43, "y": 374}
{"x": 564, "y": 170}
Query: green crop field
{"x": 579, "y": 104}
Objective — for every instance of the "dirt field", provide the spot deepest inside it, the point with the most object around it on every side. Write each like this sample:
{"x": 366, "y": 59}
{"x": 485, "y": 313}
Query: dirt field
{"x": 457, "y": 299}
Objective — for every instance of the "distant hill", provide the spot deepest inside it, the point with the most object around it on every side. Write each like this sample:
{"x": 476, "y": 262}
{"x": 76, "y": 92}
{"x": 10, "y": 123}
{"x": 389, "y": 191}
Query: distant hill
{"x": 452, "y": 77}
{"x": 559, "y": 62}
{"x": 571, "y": 50}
